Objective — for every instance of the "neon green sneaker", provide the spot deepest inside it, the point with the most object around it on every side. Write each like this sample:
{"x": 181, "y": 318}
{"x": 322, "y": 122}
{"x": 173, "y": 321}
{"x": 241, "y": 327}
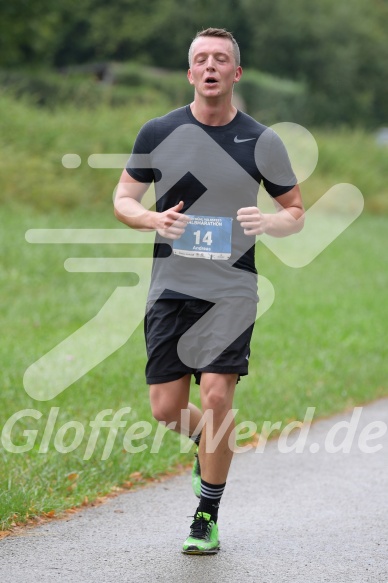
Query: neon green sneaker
{"x": 203, "y": 537}
{"x": 196, "y": 477}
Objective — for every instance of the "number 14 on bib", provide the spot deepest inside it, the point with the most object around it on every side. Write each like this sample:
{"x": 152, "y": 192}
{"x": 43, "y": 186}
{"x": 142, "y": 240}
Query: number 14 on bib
{"x": 206, "y": 238}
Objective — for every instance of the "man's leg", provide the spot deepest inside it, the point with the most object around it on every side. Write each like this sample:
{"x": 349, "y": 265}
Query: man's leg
{"x": 168, "y": 400}
{"x": 215, "y": 455}
{"x": 217, "y": 391}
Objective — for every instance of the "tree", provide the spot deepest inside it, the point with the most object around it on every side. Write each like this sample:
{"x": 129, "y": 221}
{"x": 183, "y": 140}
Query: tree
{"x": 27, "y": 31}
{"x": 336, "y": 47}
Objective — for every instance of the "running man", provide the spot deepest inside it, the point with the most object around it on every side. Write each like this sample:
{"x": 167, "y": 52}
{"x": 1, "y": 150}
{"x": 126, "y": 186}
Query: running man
{"x": 207, "y": 160}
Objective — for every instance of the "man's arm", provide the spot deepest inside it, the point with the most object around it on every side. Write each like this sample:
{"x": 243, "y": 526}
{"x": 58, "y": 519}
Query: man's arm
{"x": 288, "y": 219}
{"x": 129, "y": 210}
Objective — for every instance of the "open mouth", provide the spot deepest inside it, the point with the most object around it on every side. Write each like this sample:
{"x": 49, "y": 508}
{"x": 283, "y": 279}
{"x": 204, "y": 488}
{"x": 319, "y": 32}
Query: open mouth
{"x": 210, "y": 80}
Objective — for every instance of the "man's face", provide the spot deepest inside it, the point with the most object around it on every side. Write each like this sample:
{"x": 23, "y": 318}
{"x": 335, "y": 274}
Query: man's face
{"x": 213, "y": 70}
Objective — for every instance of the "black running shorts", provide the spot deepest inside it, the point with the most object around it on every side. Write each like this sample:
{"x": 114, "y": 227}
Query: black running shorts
{"x": 191, "y": 336}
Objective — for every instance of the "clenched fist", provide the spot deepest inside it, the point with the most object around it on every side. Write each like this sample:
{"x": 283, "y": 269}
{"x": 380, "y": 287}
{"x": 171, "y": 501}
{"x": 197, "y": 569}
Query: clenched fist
{"x": 171, "y": 224}
{"x": 252, "y": 220}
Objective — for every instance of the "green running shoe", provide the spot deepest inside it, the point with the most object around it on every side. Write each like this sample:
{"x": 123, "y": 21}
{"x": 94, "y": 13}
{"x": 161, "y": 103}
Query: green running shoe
{"x": 203, "y": 537}
{"x": 196, "y": 477}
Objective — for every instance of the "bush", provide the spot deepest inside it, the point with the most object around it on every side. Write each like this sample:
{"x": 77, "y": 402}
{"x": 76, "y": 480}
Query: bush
{"x": 173, "y": 84}
{"x": 271, "y": 100}
{"x": 115, "y": 84}
{"x": 52, "y": 89}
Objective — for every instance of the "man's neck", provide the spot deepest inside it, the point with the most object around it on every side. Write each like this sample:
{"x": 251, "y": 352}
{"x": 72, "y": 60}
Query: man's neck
{"x": 213, "y": 114}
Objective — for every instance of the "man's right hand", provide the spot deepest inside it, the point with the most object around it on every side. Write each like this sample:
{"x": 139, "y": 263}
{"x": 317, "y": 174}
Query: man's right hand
{"x": 128, "y": 209}
{"x": 171, "y": 224}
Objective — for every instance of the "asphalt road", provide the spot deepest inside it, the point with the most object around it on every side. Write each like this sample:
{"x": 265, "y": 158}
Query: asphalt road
{"x": 315, "y": 516}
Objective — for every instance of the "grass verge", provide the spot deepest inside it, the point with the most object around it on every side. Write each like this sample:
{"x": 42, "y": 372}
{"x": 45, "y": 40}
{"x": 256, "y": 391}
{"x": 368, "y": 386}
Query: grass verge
{"x": 320, "y": 345}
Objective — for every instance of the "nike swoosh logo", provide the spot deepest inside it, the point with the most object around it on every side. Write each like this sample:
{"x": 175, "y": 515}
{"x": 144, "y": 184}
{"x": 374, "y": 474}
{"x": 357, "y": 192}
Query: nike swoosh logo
{"x": 237, "y": 141}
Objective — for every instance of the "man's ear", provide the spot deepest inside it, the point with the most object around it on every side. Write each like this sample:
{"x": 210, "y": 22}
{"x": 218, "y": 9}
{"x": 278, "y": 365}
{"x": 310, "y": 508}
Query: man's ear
{"x": 238, "y": 74}
{"x": 190, "y": 77}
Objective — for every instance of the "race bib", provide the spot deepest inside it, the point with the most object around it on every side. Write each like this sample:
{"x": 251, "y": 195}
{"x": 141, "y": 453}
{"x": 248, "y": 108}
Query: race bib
{"x": 206, "y": 238}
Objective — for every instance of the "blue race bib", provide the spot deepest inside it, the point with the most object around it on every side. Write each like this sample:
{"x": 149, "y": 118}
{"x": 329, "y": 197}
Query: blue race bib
{"x": 206, "y": 238}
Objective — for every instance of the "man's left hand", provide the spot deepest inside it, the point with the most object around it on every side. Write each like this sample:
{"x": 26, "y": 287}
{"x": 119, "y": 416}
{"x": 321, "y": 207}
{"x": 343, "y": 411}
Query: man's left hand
{"x": 252, "y": 220}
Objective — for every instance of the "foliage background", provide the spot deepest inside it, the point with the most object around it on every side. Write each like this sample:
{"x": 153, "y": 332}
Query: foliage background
{"x": 334, "y": 51}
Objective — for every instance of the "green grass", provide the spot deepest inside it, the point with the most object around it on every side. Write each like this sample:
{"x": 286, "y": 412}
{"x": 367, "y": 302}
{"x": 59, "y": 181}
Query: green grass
{"x": 33, "y": 142}
{"x": 352, "y": 157}
{"x": 321, "y": 344}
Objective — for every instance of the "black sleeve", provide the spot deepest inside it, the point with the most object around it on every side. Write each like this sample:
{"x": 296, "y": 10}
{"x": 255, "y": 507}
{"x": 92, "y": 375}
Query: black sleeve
{"x": 274, "y": 164}
{"x": 144, "y": 144}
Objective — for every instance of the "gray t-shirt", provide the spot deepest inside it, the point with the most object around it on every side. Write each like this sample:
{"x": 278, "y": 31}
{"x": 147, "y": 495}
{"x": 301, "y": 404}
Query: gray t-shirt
{"x": 214, "y": 170}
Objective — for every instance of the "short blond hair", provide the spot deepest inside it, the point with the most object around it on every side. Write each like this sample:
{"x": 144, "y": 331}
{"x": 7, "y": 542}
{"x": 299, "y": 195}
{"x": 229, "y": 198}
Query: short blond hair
{"x": 219, "y": 33}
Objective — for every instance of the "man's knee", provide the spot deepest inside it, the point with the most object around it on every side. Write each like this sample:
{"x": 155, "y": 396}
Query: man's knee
{"x": 165, "y": 406}
{"x": 163, "y": 409}
{"x": 217, "y": 391}
{"x": 162, "y": 413}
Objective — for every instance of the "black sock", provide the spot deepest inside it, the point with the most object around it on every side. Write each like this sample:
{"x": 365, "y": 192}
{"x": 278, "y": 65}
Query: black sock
{"x": 210, "y": 498}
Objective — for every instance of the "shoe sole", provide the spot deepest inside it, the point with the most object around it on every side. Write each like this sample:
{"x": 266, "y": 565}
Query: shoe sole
{"x": 198, "y": 552}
